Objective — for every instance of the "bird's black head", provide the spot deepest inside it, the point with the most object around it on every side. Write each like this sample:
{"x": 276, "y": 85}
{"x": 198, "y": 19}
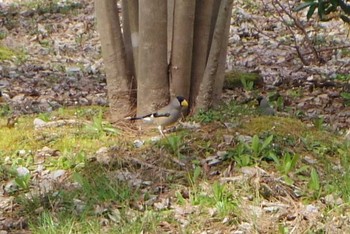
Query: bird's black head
{"x": 182, "y": 101}
{"x": 259, "y": 99}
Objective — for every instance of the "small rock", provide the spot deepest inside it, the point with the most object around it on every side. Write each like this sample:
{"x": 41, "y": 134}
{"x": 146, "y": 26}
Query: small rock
{"x": 102, "y": 150}
{"x": 22, "y": 152}
{"x": 155, "y": 138}
{"x": 228, "y": 139}
{"x": 163, "y": 204}
{"x": 22, "y": 171}
{"x": 245, "y": 139}
{"x": 47, "y": 152}
{"x": 18, "y": 98}
{"x": 311, "y": 209}
{"x": 13, "y": 74}
{"x": 10, "y": 187}
{"x": 57, "y": 174}
{"x": 138, "y": 143}
{"x": 39, "y": 123}
{"x": 249, "y": 171}
{"x": 73, "y": 69}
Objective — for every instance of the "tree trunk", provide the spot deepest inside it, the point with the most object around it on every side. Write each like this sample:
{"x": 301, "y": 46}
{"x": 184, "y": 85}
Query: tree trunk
{"x": 181, "y": 56}
{"x": 204, "y": 10}
{"x": 153, "y": 84}
{"x": 113, "y": 53}
{"x": 128, "y": 44}
{"x": 206, "y": 91}
{"x": 220, "y": 73}
{"x": 133, "y": 13}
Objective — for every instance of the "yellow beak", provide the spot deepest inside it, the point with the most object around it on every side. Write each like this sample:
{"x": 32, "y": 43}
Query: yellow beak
{"x": 184, "y": 103}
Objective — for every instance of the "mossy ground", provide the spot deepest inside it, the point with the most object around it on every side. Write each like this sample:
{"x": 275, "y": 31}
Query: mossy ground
{"x": 173, "y": 170}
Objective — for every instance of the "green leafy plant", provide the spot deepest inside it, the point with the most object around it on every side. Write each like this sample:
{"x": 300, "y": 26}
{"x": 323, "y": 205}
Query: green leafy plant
{"x": 247, "y": 85}
{"x": 318, "y": 122}
{"x": 346, "y": 96}
{"x": 174, "y": 144}
{"x": 314, "y": 184}
{"x": 23, "y": 181}
{"x": 257, "y": 147}
{"x": 240, "y": 156}
{"x": 193, "y": 178}
{"x": 223, "y": 202}
{"x": 207, "y": 116}
{"x": 99, "y": 127}
{"x": 280, "y": 103}
{"x": 326, "y": 9}
{"x": 286, "y": 164}
{"x": 246, "y": 154}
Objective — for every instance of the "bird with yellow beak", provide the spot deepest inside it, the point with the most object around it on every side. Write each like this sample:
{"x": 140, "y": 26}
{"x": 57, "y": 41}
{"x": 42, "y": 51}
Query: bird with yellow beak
{"x": 166, "y": 116}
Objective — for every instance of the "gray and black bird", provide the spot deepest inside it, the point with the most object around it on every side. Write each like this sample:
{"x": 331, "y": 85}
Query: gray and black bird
{"x": 166, "y": 116}
{"x": 264, "y": 106}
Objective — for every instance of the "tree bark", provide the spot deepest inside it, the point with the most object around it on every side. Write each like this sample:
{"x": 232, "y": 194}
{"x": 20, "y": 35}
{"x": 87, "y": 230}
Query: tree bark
{"x": 181, "y": 56}
{"x": 204, "y": 99}
{"x": 113, "y": 53}
{"x": 220, "y": 73}
{"x": 153, "y": 83}
{"x": 204, "y": 10}
{"x": 128, "y": 44}
{"x": 133, "y": 13}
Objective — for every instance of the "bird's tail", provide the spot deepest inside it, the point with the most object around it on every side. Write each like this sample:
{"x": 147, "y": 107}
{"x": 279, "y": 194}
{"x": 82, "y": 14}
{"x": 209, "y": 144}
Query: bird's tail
{"x": 153, "y": 115}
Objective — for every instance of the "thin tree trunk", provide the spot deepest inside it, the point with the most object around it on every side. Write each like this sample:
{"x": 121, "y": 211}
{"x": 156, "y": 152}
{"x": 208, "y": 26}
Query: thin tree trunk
{"x": 181, "y": 56}
{"x": 206, "y": 91}
{"x": 171, "y": 13}
{"x": 214, "y": 17}
{"x": 133, "y": 13}
{"x": 220, "y": 73}
{"x": 113, "y": 53}
{"x": 204, "y": 10}
{"x": 153, "y": 83}
{"x": 127, "y": 43}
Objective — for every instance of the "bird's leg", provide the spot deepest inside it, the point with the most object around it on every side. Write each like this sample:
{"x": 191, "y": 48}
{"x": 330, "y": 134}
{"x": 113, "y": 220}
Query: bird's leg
{"x": 161, "y": 130}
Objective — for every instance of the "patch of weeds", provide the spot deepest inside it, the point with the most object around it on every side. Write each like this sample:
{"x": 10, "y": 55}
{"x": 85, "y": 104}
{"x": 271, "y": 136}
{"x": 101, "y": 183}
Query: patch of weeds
{"x": 70, "y": 160}
{"x": 216, "y": 196}
{"x": 225, "y": 112}
{"x": 247, "y": 85}
{"x": 248, "y": 153}
{"x": 174, "y": 143}
{"x": 6, "y": 53}
{"x": 240, "y": 156}
{"x": 295, "y": 93}
{"x": 286, "y": 164}
{"x": 346, "y": 97}
{"x": 5, "y": 110}
{"x": 19, "y": 57}
{"x": 78, "y": 205}
{"x": 345, "y": 52}
{"x": 98, "y": 127}
{"x": 342, "y": 77}
{"x": 97, "y": 187}
{"x": 318, "y": 123}
{"x": 314, "y": 184}
{"x": 55, "y": 6}
{"x": 49, "y": 223}
{"x": 280, "y": 103}
{"x": 46, "y": 116}
{"x": 193, "y": 178}
{"x": 208, "y": 116}
{"x": 223, "y": 199}
{"x": 339, "y": 182}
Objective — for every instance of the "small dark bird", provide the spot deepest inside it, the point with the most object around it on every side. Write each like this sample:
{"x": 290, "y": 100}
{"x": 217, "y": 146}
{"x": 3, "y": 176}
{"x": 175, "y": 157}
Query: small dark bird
{"x": 165, "y": 116}
{"x": 12, "y": 120}
{"x": 1, "y": 97}
{"x": 264, "y": 106}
